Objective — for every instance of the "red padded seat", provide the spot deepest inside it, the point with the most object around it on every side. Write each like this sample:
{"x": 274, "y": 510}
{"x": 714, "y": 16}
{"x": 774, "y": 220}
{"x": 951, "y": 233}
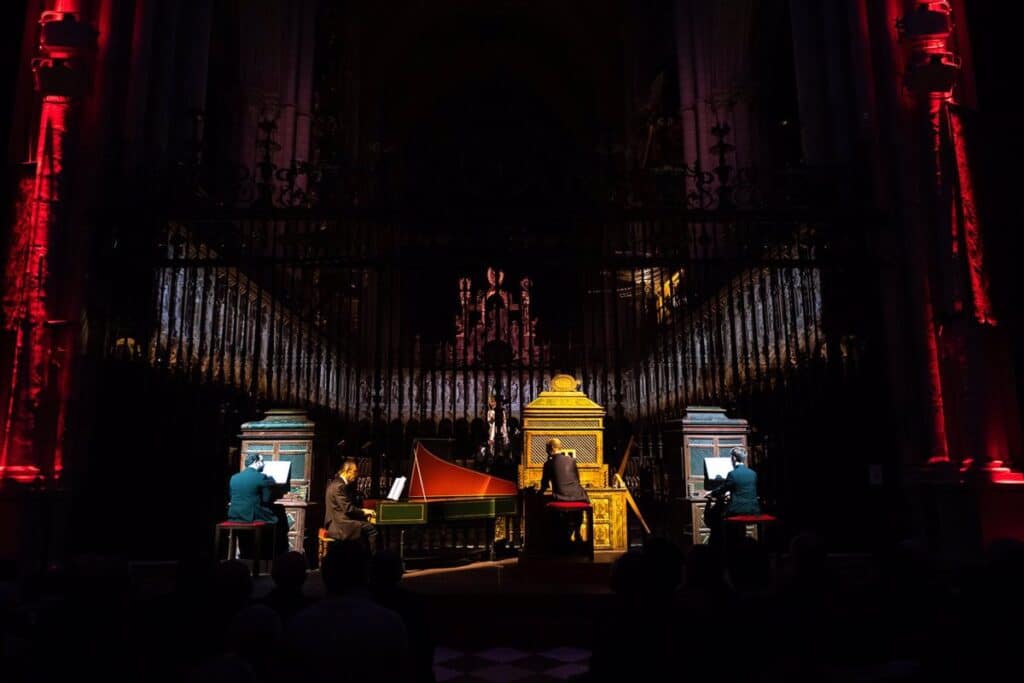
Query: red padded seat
{"x": 757, "y": 520}
{"x": 562, "y": 505}
{"x": 751, "y": 519}
{"x": 559, "y": 507}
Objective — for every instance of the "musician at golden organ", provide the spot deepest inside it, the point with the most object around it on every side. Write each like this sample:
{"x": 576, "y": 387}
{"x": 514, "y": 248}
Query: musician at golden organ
{"x": 561, "y": 473}
{"x": 566, "y": 416}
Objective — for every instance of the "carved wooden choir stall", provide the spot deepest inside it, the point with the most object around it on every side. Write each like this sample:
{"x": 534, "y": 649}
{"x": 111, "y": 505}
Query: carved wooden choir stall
{"x": 567, "y": 414}
{"x": 286, "y": 435}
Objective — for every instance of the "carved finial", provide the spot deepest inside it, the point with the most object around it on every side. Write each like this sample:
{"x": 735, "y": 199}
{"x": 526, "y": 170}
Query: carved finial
{"x": 564, "y": 383}
{"x": 495, "y": 277}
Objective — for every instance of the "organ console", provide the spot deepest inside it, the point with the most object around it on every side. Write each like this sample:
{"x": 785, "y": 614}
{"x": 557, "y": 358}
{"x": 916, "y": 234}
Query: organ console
{"x": 704, "y": 432}
{"x": 286, "y": 434}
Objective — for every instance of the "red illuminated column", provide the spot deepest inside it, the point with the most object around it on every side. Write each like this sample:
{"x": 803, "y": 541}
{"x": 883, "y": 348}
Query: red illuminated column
{"x": 37, "y": 372}
{"x": 897, "y": 32}
{"x": 977, "y": 373}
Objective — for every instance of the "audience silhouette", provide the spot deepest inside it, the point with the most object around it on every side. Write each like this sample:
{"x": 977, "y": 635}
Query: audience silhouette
{"x": 287, "y": 597}
{"x": 802, "y": 614}
{"x": 386, "y": 569}
{"x": 347, "y": 633}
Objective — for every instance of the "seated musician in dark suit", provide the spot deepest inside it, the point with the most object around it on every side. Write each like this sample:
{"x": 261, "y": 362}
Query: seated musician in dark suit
{"x": 741, "y": 486}
{"x": 252, "y": 493}
{"x": 344, "y": 517}
{"x": 561, "y": 473}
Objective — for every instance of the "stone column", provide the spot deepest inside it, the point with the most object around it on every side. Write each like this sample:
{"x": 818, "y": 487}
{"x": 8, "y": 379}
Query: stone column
{"x": 981, "y": 412}
{"x": 907, "y": 142}
{"x": 968, "y": 367}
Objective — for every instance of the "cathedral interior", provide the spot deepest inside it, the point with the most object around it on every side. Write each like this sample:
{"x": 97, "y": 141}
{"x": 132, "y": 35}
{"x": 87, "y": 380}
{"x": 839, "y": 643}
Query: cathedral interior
{"x": 405, "y": 219}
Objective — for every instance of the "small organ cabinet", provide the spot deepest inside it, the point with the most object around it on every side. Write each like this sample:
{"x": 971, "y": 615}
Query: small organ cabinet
{"x": 704, "y": 432}
{"x": 286, "y": 435}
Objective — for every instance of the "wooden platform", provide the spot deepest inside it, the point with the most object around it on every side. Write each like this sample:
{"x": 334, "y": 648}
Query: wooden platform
{"x": 528, "y": 605}
{"x": 514, "y": 575}
{"x": 523, "y": 604}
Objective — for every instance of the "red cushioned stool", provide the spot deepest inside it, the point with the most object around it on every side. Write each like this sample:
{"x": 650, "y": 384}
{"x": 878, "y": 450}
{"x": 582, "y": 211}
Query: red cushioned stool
{"x": 257, "y": 529}
{"x": 323, "y": 543}
{"x": 757, "y": 520}
{"x": 561, "y": 508}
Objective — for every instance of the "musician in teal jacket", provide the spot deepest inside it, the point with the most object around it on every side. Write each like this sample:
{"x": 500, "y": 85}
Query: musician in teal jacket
{"x": 252, "y": 493}
{"x": 741, "y": 484}
{"x": 741, "y": 487}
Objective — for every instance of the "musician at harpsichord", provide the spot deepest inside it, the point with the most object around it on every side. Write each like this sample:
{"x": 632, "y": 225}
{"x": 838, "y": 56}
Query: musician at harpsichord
{"x": 561, "y": 472}
{"x": 344, "y": 517}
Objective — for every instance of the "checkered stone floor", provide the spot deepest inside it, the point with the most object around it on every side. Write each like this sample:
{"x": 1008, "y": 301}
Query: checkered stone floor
{"x": 501, "y": 664}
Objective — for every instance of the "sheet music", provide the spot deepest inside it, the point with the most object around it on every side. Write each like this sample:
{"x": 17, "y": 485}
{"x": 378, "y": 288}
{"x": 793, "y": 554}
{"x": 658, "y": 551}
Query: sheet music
{"x": 396, "y": 488}
{"x": 717, "y": 468}
{"x": 278, "y": 470}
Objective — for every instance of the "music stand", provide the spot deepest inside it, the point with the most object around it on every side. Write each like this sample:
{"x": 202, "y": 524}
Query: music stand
{"x": 396, "y": 488}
